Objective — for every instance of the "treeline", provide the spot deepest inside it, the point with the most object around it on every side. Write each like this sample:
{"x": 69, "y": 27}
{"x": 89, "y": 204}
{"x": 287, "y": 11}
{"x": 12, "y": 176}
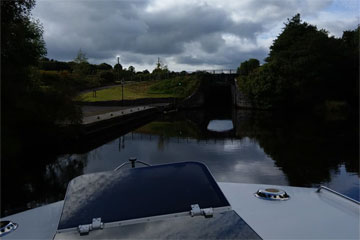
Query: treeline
{"x": 33, "y": 106}
{"x": 81, "y": 74}
{"x": 306, "y": 68}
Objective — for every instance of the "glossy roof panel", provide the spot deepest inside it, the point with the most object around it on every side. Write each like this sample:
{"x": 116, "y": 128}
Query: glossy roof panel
{"x": 225, "y": 225}
{"x": 139, "y": 192}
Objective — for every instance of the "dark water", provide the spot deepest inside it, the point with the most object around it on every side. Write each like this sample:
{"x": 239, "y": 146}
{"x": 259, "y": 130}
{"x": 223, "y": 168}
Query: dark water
{"x": 236, "y": 145}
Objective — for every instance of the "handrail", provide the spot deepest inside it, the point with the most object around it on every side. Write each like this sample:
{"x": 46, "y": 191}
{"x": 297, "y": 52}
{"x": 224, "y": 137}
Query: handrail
{"x": 132, "y": 161}
{"x": 337, "y": 193}
{"x": 219, "y": 71}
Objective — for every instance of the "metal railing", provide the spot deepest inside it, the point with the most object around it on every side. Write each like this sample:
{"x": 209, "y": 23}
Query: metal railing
{"x": 132, "y": 161}
{"x": 219, "y": 71}
{"x": 337, "y": 193}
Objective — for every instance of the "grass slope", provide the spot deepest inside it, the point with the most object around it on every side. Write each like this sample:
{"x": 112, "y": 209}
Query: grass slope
{"x": 179, "y": 87}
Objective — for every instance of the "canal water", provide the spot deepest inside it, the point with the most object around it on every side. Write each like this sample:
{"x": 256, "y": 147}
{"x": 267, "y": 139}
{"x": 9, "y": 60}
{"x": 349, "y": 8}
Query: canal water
{"x": 236, "y": 145}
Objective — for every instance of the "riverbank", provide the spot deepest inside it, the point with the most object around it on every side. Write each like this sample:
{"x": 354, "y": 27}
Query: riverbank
{"x": 178, "y": 87}
{"x": 102, "y": 124}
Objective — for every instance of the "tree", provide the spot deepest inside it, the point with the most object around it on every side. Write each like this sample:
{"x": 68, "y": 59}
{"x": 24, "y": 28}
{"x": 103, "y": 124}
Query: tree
{"x": 264, "y": 87}
{"x": 104, "y": 66}
{"x": 248, "y": 66}
{"x": 26, "y": 100}
{"x": 81, "y": 65}
{"x": 349, "y": 66}
{"x": 307, "y": 58}
{"x": 118, "y": 67}
{"x": 131, "y": 69}
{"x": 107, "y": 76}
{"x": 161, "y": 71}
{"x": 81, "y": 57}
{"x": 21, "y": 47}
{"x": 53, "y": 65}
{"x": 302, "y": 68}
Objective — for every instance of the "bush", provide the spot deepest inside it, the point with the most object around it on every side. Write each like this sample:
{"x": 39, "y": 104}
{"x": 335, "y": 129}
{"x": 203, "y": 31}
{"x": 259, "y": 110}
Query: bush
{"x": 107, "y": 77}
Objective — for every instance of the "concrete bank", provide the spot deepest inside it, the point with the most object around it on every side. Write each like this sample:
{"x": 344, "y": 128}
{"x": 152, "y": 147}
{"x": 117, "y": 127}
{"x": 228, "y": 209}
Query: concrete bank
{"x": 99, "y": 128}
{"x": 134, "y": 102}
{"x": 239, "y": 99}
{"x": 95, "y": 124}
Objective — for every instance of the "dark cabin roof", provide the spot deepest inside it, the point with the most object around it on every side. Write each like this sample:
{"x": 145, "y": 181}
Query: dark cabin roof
{"x": 139, "y": 192}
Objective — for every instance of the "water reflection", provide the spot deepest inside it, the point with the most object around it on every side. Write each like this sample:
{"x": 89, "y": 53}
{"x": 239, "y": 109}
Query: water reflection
{"x": 220, "y": 125}
{"x": 229, "y": 160}
{"x": 31, "y": 183}
{"x": 259, "y": 148}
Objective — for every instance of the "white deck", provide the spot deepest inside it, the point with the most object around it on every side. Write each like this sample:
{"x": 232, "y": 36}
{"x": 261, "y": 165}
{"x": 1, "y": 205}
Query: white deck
{"x": 37, "y": 223}
{"x": 306, "y": 215}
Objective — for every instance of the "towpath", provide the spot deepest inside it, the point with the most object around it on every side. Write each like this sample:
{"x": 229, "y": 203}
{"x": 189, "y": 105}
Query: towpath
{"x": 93, "y": 114}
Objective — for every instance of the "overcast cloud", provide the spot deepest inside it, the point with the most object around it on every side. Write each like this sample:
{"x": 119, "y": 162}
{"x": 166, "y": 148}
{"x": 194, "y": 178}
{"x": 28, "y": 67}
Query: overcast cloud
{"x": 186, "y": 35}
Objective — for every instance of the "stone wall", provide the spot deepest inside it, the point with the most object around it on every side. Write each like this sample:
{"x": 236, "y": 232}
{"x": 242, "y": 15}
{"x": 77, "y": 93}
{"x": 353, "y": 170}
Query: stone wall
{"x": 142, "y": 101}
{"x": 195, "y": 100}
{"x": 239, "y": 99}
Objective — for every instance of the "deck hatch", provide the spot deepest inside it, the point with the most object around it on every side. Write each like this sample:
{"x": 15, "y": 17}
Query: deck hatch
{"x": 224, "y": 225}
{"x": 139, "y": 192}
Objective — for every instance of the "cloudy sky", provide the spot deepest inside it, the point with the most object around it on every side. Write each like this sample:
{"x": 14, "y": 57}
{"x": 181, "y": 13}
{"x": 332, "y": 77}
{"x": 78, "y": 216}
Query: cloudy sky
{"x": 186, "y": 34}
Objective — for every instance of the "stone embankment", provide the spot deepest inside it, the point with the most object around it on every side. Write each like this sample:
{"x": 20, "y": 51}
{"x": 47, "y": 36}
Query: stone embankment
{"x": 98, "y": 119}
{"x": 106, "y": 115}
{"x": 238, "y": 98}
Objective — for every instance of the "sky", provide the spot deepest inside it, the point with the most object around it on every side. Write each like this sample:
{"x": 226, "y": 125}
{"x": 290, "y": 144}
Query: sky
{"x": 184, "y": 34}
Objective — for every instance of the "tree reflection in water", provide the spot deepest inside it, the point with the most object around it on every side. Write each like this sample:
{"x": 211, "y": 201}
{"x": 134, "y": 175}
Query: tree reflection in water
{"x": 262, "y": 147}
{"x": 307, "y": 150}
{"x": 38, "y": 183}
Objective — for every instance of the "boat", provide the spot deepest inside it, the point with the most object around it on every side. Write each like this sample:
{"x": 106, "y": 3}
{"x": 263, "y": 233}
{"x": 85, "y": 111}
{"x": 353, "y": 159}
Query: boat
{"x": 184, "y": 201}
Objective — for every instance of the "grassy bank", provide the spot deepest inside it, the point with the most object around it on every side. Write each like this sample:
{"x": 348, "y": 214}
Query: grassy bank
{"x": 178, "y": 87}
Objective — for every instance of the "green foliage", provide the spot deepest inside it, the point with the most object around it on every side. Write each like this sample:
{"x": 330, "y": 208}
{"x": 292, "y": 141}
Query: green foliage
{"x": 53, "y": 65}
{"x": 83, "y": 68}
{"x": 131, "y": 69}
{"x": 56, "y": 91}
{"x": 247, "y": 67}
{"x": 32, "y": 108}
{"x": 331, "y": 110}
{"x": 104, "y": 66}
{"x": 118, "y": 67}
{"x": 21, "y": 47}
{"x": 107, "y": 77}
{"x": 131, "y": 91}
{"x": 304, "y": 67}
{"x": 349, "y": 66}
{"x": 263, "y": 87}
{"x": 21, "y": 39}
{"x": 161, "y": 71}
{"x": 178, "y": 86}
{"x": 24, "y": 93}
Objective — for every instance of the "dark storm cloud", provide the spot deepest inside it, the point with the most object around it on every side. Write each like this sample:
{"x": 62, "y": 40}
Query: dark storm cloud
{"x": 103, "y": 27}
{"x": 139, "y": 31}
{"x": 229, "y": 59}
